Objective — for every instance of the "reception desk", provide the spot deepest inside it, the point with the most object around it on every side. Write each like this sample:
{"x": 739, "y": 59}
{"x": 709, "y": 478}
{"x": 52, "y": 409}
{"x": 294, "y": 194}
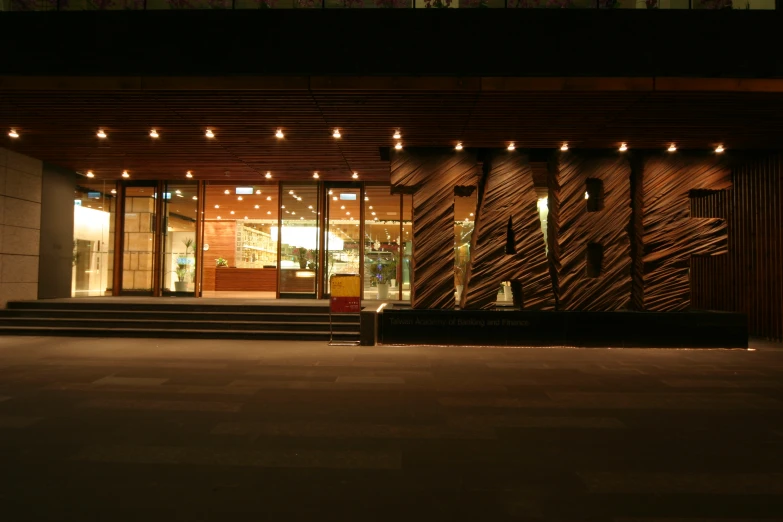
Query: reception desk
{"x": 295, "y": 280}
{"x": 245, "y": 279}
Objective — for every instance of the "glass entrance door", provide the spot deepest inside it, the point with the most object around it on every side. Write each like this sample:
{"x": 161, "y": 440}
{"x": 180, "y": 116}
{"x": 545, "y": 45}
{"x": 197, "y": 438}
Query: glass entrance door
{"x": 138, "y": 238}
{"x": 299, "y": 240}
{"x": 178, "y": 265}
{"x": 343, "y": 254}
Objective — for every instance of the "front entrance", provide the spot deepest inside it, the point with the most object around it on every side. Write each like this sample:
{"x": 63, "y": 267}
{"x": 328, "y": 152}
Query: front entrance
{"x": 343, "y": 241}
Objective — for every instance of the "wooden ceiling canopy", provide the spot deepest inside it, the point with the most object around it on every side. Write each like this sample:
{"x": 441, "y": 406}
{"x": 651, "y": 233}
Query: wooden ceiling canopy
{"x": 60, "y": 126}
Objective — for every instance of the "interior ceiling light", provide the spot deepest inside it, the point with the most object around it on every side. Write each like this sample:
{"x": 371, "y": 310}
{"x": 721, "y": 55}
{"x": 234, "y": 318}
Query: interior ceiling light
{"x": 397, "y": 135}
{"x": 269, "y": 198}
{"x": 154, "y": 133}
{"x": 125, "y": 174}
{"x": 366, "y": 198}
{"x": 101, "y": 134}
{"x": 376, "y": 219}
{"x": 189, "y": 174}
{"x": 459, "y": 146}
{"x": 268, "y": 175}
{"x": 355, "y": 175}
{"x": 232, "y": 212}
{"x": 257, "y": 206}
{"x": 282, "y": 206}
{"x": 258, "y": 191}
{"x": 245, "y": 217}
{"x": 291, "y": 192}
{"x": 293, "y": 212}
{"x": 398, "y": 146}
{"x": 347, "y": 213}
{"x": 370, "y": 207}
{"x": 564, "y": 147}
{"x": 178, "y": 191}
{"x": 623, "y": 147}
{"x": 195, "y": 197}
{"x": 334, "y": 198}
{"x": 239, "y": 198}
{"x": 218, "y": 217}
{"x": 310, "y": 207}
{"x": 299, "y": 198}
{"x": 373, "y": 213}
{"x": 719, "y": 149}
{"x": 342, "y": 207}
{"x": 217, "y": 206}
{"x": 210, "y": 134}
{"x": 331, "y": 192}
{"x": 471, "y": 214}
{"x": 13, "y": 134}
{"x": 511, "y": 146}
{"x": 268, "y": 212}
{"x": 315, "y": 175}
{"x": 90, "y": 174}
{"x": 114, "y": 191}
{"x": 672, "y": 148}
{"x": 587, "y": 195}
{"x": 336, "y": 133}
{"x": 301, "y": 218}
{"x": 226, "y": 191}
{"x": 279, "y": 133}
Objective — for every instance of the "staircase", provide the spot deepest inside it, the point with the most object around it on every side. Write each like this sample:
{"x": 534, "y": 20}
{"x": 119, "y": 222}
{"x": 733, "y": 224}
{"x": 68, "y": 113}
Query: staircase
{"x": 108, "y": 318}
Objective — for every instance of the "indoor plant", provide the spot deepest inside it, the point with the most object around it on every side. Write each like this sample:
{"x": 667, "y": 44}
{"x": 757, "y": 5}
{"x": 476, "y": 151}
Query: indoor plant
{"x": 181, "y": 285}
{"x": 221, "y": 262}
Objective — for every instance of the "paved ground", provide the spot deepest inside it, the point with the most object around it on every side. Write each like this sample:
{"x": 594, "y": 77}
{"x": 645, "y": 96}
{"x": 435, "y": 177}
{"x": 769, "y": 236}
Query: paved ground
{"x": 116, "y": 430}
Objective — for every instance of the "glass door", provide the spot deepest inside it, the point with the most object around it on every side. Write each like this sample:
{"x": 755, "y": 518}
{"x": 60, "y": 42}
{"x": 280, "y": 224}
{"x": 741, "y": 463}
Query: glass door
{"x": 138, "y": 238}
{"x": 299, "y": 240}
{"x": 178, "y": 264}
{"x": 343, "y": 231}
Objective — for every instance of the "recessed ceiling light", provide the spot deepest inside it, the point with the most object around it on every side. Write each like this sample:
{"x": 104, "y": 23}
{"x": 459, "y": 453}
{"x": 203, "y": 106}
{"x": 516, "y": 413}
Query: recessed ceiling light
{"x": 315, "y": 175}
{"x": 672, "y": 148}
{"x": 355, "y": 175}
{"x": 257, "y": 206}
{"x": 177, "y": 191}
{"x": 13, "y": 134}
{"x": 398, "y": 146}
{"x": 210, "y": 134}
{"x": 291, "y": 192}
{"x": 376, "y": 219}
{"x": 189, "y": 174}
{"x": 331, "y": 192}
{"x": 101, "y": 134}
{"x": 293, "y": 212}
{"x": 623, "y": 147}
{"x": 258, "y": 191}
{"x": 268, "y": 212}
{"x": 154, "y": 133}
{"x": 268, "y": 175}
{"x": 370, "y": 207}
{"x": 217, "y": 206}
{"x": 719, "y": 149}
{"x": 113, "y": 191}
{"x": 336, "y": 133}
{"x": 511, "y": 146}
{"x": 125, "y": 174}
{"x": 459, "y": 146}
{"x": 269, "y": 198}
{"x": 279, "y": 133}
{"x": 366, "y": 198}
{"x": 564, "y": 147}
{"x": 232, "y": 212}
{"x": 245, "y": 217}
{"x": 373, "y": 213}
{"x": 347, "y": 213}
{"x": 397, "y": 135}
{"x": 239, "y": 198}
{"x": 298, "y": 198}
{"x": 471, "y": 214}
{"x": 90, "y": 174}
{"x": 334, "y": 198}
{"x": 195, "y": 197}
{"x": 342, "y": 207}
{"x": 301, "y": 218}
{"x": 218, "y": 217}
{"x": 282, "y": 206}
{"x": 226, "y": 191}
{"x": 310, "y": 207}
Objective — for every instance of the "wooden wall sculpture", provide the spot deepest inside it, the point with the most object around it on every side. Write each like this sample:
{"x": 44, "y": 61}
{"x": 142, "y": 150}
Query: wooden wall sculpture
{"x": 432, "y": 175}
{"x": 670, "y": 235}
{"x": 506, "y": 193}
{"x": 573, "y": 228}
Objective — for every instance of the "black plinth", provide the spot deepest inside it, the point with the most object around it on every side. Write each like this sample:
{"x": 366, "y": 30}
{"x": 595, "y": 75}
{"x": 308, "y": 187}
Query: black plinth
{"x": 586, "y": 329}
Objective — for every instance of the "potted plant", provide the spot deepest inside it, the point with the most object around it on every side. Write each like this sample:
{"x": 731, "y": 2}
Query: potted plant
{"x": 301, "y": 255}
{"x": 221, "y": 262}
{"x": 181, "y": 284}
{"x": 380, "y": 276}
{"x": 190, "y": 244}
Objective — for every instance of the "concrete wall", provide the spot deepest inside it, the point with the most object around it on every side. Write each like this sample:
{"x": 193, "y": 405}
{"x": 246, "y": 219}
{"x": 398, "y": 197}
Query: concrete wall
{"x": 20, "y": 225}
{"x": 56, "y": 250}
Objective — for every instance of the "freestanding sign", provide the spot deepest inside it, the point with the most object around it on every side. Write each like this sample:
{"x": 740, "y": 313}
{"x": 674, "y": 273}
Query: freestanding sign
{"x": 346, "y": 297}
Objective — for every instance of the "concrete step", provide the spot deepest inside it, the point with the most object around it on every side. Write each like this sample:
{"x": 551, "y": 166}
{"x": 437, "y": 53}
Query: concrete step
{"x": 176, "y": 333}
{"x": 182, "y": 323}
{"x": 266, "y": 316}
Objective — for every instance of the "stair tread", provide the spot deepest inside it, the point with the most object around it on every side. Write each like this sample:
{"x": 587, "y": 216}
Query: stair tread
{"x": 186, "y": 321}
{"x": 4, "y": 327}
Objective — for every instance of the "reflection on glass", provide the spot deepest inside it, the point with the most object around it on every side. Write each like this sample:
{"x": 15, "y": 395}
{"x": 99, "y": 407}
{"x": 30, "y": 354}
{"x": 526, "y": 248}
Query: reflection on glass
{"x": 299, "y": 240}
{"x": 464, "y": 221}
{"x": 407, "y": 248}
{"x": 179, "y": 240}
{"x": 342, "y": 233}
{"x": 93, "y": 238}
{"x": 138, "y": 244}
{"x": 381, "y": 243}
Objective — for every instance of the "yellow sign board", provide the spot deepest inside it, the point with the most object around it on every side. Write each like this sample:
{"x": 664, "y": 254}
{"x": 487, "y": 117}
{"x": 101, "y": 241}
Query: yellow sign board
{"x": 346, "y": 285}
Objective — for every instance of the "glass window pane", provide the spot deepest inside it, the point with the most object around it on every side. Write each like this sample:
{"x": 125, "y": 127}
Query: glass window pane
{"x": 343, "y": 233}
{"x": 381, "y": 243}
{"x": 179, "y": 237}
{"x": 406, "y": 247}
{"x": 138, "y": 244}
{"x": 299, "y": 236}
{"x": 93, "y": 238}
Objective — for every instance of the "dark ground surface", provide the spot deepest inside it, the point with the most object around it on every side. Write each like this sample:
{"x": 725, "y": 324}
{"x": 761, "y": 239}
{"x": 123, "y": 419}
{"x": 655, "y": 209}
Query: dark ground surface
{"x": 116, "y": 430}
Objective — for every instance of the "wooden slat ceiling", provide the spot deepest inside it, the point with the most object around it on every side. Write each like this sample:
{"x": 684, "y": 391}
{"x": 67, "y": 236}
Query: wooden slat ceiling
{"x": 60, "y": 127}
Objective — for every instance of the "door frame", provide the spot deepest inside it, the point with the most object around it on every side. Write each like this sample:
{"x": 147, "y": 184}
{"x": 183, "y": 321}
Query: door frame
{"x": 327, "y": 186}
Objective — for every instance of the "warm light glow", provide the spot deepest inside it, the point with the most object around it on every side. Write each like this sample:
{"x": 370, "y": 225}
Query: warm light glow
{"x": 210, "y": 134}
{"x": 268, "y": 212}
{"x": 342, "y": 207}
{"x": 366, "y": 198}
{"x": 257, "y": 207}
{"x": 189, "y": 174}
{"x": 347, "y": 213}
{"x": 226, "y": 191}
{"x": 331, "y": 192}
{"x": 269, "y": 198}
{"x": 623, "y": 147}
{"x": 672, "y": 148}
{"x": 397, "y": 135}
{"x": 217, "y": 206}
{"x": 459, "y": 146}
{"x": 398, "y": 146}
{"x": 125, "y": 174}
{"x": 232, "y": 212}
{"x": 101, "y": 134}
{"x": 336, "y": 133}
{"x": 258, "y": 191}
{"x": 315, "y": 175}
{"x": 373, "y": 213}
{"x": 218, "y": 217}
{"x": 587, "y": 195}
{"x": 511, "y": 146}
{"x": 719, "y": 149}
{"x": 471, "y": 214}
{"x": 114, "y": 191}
{"x": 310, "y": 207}
{"x": 282, "y": 206}
{"x": 268, "y": 175}
{"x": 245, "y": 217}
{"x": 334, "y": 198}
{"x": 279, "y": 133}
{"x": 153, "y": 133}
{"x": 291, "y": 192}
{"x": 355, "y": 175}
{"x": 177, "y": 191}
{"x": 90, "y": 174}
{"x": 564, "y": 147}
{"x": 13, "y": 134}
{"x": 195, "y": 198}
{"x": 239, "y": 198}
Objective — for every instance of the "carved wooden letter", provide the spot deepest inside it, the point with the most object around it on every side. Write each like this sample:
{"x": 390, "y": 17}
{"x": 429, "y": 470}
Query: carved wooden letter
{"x": 670, "y": 236}
{"x": 431, "y": 175}
{"x": 507, "y": 242}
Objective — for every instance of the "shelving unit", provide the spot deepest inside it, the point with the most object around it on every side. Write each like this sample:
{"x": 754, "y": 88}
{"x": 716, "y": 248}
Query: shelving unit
{"x": 254, "y": 248}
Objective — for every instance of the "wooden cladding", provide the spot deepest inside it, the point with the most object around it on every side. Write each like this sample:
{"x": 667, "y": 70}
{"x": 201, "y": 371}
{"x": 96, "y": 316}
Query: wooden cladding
{"x": 750, "y": 278}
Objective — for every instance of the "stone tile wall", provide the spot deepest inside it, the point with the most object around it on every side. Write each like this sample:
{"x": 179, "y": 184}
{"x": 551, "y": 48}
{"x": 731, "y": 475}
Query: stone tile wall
{"x": 20, "y": 225}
